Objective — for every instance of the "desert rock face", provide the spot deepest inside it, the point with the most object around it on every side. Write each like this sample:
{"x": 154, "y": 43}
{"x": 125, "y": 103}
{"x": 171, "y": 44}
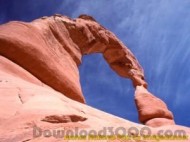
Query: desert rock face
{"x": 39, "y": 79}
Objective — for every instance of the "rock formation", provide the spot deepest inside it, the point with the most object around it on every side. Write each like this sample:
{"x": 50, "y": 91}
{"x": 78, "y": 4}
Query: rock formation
{"x": 152, "y": 111}
{"x": 39, "y": 78}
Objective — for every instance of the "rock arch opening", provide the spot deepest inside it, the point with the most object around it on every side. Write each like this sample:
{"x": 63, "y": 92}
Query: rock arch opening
{"x": 105, "y": 90}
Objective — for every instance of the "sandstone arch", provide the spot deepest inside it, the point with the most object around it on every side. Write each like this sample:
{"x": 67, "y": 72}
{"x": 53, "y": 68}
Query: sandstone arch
{"x": 47, "y": 52}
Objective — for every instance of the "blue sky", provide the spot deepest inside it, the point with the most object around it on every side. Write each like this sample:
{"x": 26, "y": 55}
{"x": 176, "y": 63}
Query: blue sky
{"x": 157, "y": 32}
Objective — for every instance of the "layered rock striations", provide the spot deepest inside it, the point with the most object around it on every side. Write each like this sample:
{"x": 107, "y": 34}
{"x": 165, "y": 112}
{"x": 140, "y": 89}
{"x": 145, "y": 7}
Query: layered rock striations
{"x": 39, "y": 78}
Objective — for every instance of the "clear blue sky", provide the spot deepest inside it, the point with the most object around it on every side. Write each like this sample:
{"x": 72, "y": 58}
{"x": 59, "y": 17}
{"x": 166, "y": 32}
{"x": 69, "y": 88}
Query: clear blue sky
{"x": 157, "y": 32}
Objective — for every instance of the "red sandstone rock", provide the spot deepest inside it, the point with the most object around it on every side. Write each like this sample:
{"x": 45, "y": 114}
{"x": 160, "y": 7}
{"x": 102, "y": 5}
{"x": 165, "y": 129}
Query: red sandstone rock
{"x": 51, "y": 50}
{"x": 39, "y": 79}
{"x": 152, "y": 111}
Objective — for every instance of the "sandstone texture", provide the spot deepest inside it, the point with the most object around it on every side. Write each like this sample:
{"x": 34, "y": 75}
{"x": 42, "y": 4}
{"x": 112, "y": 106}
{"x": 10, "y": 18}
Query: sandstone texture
{"x": 152, "y": 111}
{"x": 39, "y": 80}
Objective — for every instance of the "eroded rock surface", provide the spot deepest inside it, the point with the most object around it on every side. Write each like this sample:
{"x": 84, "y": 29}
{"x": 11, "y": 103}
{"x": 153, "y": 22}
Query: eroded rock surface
{"x": 152, "y": 111}
{"x": 39, "y": 79}
{"x": 51, "y": 49}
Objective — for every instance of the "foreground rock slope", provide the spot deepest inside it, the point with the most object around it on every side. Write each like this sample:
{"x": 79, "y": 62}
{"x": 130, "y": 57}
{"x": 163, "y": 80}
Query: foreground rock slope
{"x": 39, "y": 80}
